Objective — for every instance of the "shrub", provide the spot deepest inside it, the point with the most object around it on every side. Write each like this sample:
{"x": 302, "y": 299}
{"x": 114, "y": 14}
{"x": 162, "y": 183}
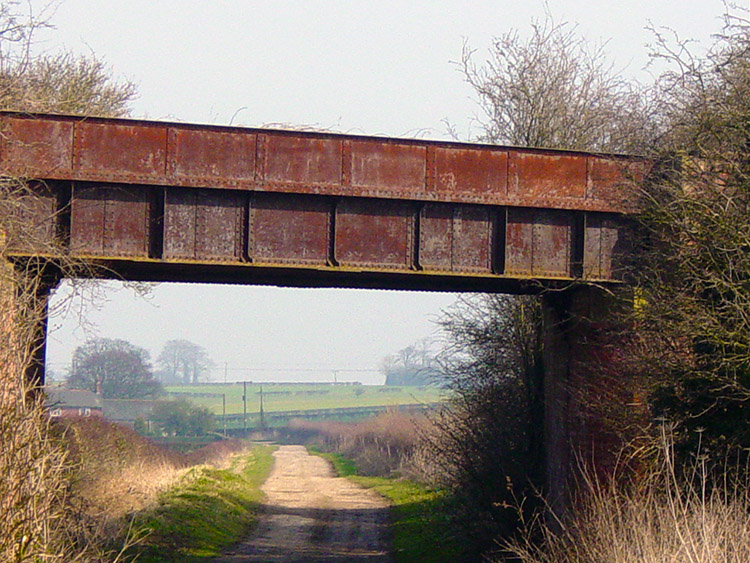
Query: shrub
{"x": 182, "y": 418}
{"x": 486, "y": 444}
{"x": 693, "y": 317}
{"x": 108, "y": 462}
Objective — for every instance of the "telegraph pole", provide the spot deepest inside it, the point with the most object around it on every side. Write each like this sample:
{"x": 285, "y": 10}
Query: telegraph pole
{"x": 224, "y": 411}
{"x": 244, "y": 407}
{"x": 262, "y": 421}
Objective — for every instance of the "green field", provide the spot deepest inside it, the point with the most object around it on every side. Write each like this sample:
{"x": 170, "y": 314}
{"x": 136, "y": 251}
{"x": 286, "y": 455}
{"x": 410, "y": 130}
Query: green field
{"x": 301, "y": 396}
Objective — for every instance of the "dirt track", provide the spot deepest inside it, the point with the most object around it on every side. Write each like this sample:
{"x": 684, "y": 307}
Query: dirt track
{"x": 312, "y": 516}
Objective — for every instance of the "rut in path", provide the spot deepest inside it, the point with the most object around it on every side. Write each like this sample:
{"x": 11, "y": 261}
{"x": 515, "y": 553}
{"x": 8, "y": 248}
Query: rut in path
{"x": 311, "y": 516}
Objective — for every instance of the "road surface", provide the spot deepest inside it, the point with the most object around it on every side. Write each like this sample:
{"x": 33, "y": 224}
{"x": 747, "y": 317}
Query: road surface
{"x": 311, "y": 516}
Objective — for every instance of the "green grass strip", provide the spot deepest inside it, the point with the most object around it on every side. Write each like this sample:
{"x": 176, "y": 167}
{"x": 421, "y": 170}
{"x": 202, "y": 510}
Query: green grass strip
{"x": 421, "y": 517}
{"x": 208, "y": 510}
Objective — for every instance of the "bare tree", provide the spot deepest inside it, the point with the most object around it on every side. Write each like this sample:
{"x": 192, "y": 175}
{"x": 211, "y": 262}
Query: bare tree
{"x": 52, "y": 83}
{"x": 114, "y": 368}
{"x": 183, "y": 362}
{"x": 693, "y": 316}
{"x": 555, "y": 89}
{"x": 487, "y": 442}
{"x": 414, "y": 365}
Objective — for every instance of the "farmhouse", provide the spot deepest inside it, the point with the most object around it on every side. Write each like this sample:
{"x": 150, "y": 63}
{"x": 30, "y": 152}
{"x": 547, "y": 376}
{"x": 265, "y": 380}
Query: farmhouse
{"x": 72, "y": 402}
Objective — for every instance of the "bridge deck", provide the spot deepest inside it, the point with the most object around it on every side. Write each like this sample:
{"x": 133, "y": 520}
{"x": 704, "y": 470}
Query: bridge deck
{"x": 166, "y": 201}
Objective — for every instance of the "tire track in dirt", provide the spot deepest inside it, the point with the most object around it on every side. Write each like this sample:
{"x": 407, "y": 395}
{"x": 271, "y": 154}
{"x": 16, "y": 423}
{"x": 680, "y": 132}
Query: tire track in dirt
{"x": 312, "y": 516}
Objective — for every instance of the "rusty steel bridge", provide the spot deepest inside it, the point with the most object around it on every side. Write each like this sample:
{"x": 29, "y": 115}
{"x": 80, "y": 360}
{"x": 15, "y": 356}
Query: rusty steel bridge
{"x": 180, "y": 202}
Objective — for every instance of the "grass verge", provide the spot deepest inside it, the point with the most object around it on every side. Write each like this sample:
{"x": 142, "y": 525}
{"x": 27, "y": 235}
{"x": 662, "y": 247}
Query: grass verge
{"x": 420, "y": 516}
{"x": 206, "y": 511}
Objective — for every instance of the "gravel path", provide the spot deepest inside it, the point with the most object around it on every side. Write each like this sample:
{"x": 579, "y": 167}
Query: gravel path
{"x": 311, "y": 516}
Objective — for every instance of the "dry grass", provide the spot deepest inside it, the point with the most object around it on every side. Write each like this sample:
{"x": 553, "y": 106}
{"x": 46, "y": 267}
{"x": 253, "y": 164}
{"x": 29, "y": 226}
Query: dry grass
{"x": 380, "y": 445}
{"x": 116, "y": 472}
{"x": 120, "y": 473}
{"x": 663, "y": 518}
{"x": 41, "y": 518}
{"x": 70, "y": 489}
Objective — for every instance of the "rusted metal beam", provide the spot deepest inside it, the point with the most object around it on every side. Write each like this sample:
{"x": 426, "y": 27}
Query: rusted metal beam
{"x": 151, "y": 199}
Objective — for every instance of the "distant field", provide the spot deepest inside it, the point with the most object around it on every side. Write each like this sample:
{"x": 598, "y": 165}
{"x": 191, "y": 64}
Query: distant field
{"x": 295, "y": 397}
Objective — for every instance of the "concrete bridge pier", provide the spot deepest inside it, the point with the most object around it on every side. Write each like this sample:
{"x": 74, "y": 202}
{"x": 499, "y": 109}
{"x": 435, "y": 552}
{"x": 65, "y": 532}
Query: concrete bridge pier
{"x": 583, "y": 389}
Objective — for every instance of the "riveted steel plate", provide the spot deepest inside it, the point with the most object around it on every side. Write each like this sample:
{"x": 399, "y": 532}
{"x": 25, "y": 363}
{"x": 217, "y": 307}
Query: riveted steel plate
{"x": 455, "y": 238}
{"x": 471, "y": 171}
{"x": 110, "y": 221}
{"x": 179, "y": 223}
{"x": 140, "y": 152}
{"x": 123, "y": 150}
{"x": 206, "y": 225}
{"x": 33, "y": 147}
{"x": 199, "y": 154}
{"x": 374, "y": 233}
{"x": 197, "y": 183}
{"x": 547, "y": 176}
{"x": 613, "y": 179}
{"x": 388, "y": 166}
{"x": 436, "y": 237}
{"x": 472, "y": 239}
{"x": 289, "y": 229}
{"x": 220, "y": 225}
{"x": 606, "y": 242}
{"x": 301, "y": 160}
{"x": 538, "y": 242}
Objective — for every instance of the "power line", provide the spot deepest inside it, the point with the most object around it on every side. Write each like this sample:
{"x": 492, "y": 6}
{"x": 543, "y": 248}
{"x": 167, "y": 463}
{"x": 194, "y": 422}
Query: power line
{"x": 350, "y": 370}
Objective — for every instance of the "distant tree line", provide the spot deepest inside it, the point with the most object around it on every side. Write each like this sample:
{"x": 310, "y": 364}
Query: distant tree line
{"x": 182, "y": 362}
{"x": 414, "y": 365}
{"x": 115, "y": 368}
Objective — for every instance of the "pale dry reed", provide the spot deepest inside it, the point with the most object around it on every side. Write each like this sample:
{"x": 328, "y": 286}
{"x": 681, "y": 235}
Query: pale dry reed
{"x": 381, "y": 445}
{"x": 663, "y": 517}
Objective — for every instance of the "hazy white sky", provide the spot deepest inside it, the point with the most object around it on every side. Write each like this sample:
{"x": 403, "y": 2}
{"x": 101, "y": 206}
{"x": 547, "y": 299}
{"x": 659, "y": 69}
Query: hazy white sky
{"x": 378, "y": 67}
